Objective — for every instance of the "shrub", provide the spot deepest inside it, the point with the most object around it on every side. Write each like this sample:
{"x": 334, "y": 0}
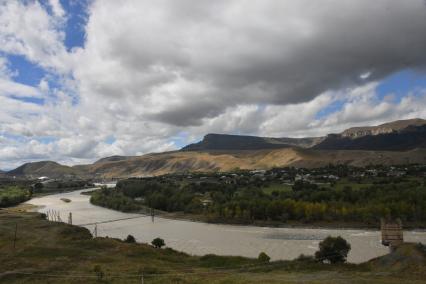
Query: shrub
{"x": 158, "y": 242}
{"x": 333, "y": 250}
{"x": 263, "y": 257}
{"x": 130, "y": 239}
{"x": 99, "y": 272}
{"x": 305, "y": 258}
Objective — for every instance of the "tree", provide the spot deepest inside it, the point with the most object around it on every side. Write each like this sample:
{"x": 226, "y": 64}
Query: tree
{"x": 334, "y": 250}
{"x": 38, "y": 187}
{"x": 99, "y": 272}
{"x": 263, "y": 257}
{"x": 130, "y": 239}
{"x": 158, "y": 242}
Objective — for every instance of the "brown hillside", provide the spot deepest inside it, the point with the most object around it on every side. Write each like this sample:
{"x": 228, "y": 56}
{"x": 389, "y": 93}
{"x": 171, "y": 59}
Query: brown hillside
{"x": 157, "y": 164}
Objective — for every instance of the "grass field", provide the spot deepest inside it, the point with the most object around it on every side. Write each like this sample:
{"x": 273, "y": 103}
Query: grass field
{"x": 48, "y": 252}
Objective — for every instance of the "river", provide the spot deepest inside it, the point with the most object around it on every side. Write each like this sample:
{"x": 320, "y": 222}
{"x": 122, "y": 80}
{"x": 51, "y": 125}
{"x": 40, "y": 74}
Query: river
{"x": 200, "y": 238}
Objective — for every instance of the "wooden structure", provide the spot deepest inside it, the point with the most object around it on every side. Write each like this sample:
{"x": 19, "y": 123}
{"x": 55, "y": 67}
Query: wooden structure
{"x": 392, "y": 234}
{"x": 70, "y": 218}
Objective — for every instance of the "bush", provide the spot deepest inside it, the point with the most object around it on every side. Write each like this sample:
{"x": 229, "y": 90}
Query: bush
{"x": 263, "y": 257}
{"x": 305, "y": 258}
{"x": 333, "y": 250}
{"x": 99, "y": 272}
{"x": 158, "y": 242}
{"x": 13, "y": 195}
{"x": 130, "y": 239}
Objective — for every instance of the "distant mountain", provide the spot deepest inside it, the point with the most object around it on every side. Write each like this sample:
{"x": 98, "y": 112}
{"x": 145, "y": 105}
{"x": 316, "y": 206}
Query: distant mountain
{"x": 207, "y": 161}
{"x": 386, "y": 128}
{"x": 398, "y": 142}
{"x": 112, "y": 159}
{"x": 240, "y": 142}
{"x": 399, "y": 135}
{"x": 45, "y": 168}
{"x": 396, "y": 136}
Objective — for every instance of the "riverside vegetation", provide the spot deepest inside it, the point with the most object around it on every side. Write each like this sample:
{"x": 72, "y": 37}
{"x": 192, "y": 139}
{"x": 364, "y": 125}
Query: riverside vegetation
{"x": 13, "y": 195}
{"x": 15, "y": 191}
{"x": 50, "y": 252}
{"x": 332, "y": 195}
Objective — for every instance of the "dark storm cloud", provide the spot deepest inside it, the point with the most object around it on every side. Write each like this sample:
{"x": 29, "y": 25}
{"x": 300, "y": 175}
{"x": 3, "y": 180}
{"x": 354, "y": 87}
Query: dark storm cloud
{"x": 250, "y": 52}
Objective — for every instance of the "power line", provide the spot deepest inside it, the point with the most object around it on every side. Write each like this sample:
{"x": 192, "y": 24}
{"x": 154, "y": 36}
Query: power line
{"x": 110, "y": 221}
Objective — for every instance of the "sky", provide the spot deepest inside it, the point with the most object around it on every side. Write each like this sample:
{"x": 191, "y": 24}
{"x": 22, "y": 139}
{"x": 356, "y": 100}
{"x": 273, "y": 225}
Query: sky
{"x": 85, "y": 79}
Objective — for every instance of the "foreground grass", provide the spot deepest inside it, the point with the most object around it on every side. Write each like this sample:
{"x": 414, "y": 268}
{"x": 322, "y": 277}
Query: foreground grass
{"x": 47, "y": 252}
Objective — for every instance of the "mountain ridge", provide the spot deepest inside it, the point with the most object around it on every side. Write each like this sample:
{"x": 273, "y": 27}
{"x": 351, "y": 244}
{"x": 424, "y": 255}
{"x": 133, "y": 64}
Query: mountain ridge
{"x": 398, "y": 142}
{"x": 215, "y": 141}
{"x": 385, "y": 128}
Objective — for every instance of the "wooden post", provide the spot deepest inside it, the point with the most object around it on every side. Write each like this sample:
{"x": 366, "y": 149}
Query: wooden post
{"x": 16, "y": 234}
{"x": 70, "y": 218}
{"x": 152, "y": 215}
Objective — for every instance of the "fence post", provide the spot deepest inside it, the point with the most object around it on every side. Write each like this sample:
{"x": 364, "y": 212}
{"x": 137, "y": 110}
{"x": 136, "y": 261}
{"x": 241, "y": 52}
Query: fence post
{"x": 16, "y": 234}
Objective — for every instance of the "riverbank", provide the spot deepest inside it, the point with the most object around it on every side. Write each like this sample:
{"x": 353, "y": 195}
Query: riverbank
{"x": 222, "y": 199}
{"x": 200, "y": 218}
{"x": 260, "y": 223}
{"x": 289, "y": 224}
{"x": 199, "y": 238}
{"x": 59, "y": 253}
{"x": 181, "y": 216}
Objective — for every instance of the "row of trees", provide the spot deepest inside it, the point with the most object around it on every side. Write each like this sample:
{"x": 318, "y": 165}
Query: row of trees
{"x": 305, "y": 202}
{"x": 368, "y": 204}
{"x": 114, "y": 199}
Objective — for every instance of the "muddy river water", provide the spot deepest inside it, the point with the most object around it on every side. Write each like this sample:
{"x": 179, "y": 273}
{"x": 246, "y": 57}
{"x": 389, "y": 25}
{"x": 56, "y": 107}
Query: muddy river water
{"x": 201, "y": 238}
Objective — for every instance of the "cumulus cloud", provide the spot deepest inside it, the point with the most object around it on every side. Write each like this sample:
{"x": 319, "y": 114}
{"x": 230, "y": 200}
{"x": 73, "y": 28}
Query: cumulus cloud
{"x": 187, "y": 61}
{"x": 27, "y": 29}
{"x": 151, "y": 71}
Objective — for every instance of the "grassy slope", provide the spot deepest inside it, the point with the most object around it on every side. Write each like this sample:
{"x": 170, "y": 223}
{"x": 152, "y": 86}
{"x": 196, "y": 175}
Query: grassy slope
{"x": 162, "y": 163}
{"x": 181, "y": 161}
{"x": 49, "y": 252}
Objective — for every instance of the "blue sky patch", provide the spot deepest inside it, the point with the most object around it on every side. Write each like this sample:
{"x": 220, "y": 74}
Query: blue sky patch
{"x": 331, "y": 108}
{"x": 27, "y": 73}
{"x": 180, "y": 140}
{"x": 110, "y": 140}
{"x": 38, "y": 101}
{"x": 401, "y": 84}
{"x": 76, "y": 21}
{"x": 46, "y": 139}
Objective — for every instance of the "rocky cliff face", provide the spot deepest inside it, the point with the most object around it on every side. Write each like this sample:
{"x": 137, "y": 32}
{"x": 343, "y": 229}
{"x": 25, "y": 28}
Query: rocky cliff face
{"x": 382, "y": 139}
{"x": 360, "y": 132}
{"x": 391, "y": 127}
{"x": 240, "y": 142}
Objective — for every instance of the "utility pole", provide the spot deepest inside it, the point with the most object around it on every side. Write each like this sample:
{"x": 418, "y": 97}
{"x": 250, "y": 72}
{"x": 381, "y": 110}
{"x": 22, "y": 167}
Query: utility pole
{"x": 152, "y": 215}
{"x": 70, "y": 218}
{"x": 16, "y": 233}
